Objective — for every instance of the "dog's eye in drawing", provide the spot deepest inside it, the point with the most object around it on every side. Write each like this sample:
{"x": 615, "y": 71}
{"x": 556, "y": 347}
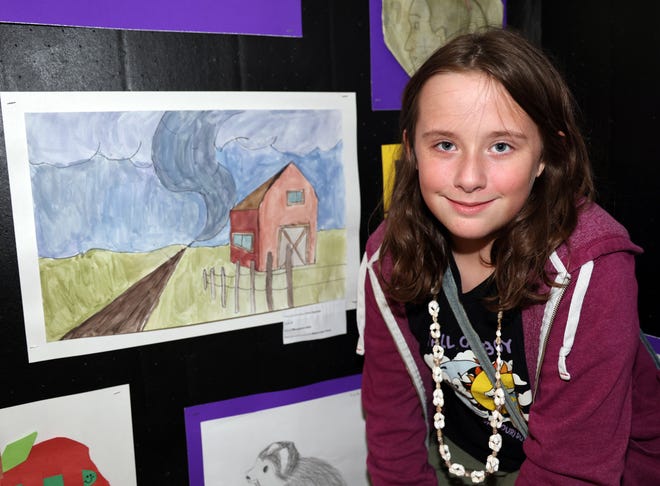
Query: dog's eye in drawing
{"x": 265, "y": 469}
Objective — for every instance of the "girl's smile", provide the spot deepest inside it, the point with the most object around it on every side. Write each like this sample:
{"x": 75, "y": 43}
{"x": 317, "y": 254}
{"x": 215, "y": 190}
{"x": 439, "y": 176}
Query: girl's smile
{"x": 468, "y": 208}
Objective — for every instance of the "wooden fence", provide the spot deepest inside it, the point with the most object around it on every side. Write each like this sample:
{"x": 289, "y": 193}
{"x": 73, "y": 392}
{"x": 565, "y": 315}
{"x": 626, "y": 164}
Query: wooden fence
{"x": 218, "y": 283}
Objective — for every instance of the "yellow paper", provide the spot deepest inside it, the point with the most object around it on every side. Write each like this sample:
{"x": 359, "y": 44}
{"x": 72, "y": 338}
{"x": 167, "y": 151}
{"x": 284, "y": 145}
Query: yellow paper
{"x": 389, "y": 154}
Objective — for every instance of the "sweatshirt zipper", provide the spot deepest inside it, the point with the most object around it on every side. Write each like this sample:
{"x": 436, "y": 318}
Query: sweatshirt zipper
{"x": 539, "y": 362}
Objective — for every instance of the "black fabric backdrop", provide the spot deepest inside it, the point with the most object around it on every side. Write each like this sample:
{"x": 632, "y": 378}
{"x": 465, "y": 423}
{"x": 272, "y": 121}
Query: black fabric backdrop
{"x": 609, "y": 55}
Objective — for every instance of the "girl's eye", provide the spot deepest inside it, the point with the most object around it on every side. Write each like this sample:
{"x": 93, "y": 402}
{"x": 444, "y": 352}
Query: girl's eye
{"x": 501, "y": 147}
{"x": 445, "y": 146}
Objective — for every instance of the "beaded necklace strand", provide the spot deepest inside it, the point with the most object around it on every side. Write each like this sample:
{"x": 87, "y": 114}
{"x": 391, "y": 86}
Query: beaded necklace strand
{"x": 496, "y": 418}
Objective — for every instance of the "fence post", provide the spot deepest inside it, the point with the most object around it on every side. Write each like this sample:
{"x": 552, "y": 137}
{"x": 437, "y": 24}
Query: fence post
{"x": 288, "y": 265}
{"x": 212, "y": 283}
{"x": 269, "y": 281}
{"x": 223, "y": 287}
{"x": 253, "y": 304}
{"x": 237, "y": 277}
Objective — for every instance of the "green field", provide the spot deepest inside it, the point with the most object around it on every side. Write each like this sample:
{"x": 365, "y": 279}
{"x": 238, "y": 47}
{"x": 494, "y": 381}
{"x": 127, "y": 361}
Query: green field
{"x": 73, "y": 289}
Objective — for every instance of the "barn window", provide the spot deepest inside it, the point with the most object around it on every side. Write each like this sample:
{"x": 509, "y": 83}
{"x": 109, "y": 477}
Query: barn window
{"x": 243, "y": 240}
{"x": 295, "y": 197}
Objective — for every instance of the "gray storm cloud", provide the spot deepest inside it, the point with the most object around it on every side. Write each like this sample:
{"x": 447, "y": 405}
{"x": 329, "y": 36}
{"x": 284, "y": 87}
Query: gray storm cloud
{"x": 184, "y": 156}
{"x": 296, "y": 131}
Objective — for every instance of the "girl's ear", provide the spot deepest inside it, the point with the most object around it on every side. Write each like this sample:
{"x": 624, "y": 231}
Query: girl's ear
{"x": 406, "y": 140}
{"x": 540, "y": 168}
{"x": 407, "y": 148}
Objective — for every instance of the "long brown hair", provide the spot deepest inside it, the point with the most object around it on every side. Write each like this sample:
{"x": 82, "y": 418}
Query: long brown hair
{"x": 417, "y": 242}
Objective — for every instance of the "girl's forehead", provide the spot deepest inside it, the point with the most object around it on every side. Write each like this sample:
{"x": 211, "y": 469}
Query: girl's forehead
{"x": 472, "y": 90}
{"x": 468, "y": 97}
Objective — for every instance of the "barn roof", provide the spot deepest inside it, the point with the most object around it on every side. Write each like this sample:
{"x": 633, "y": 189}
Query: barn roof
{"x": 253, "y": 199}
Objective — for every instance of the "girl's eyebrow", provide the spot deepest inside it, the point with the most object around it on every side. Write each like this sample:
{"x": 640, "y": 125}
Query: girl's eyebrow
{"x": 509, "y": 133}
{"x": 438, "y": 134}
{"x": 495, "y": 134}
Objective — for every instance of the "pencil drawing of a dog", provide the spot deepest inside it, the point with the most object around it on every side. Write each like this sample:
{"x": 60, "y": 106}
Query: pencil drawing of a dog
{"x": 280, "y": 464}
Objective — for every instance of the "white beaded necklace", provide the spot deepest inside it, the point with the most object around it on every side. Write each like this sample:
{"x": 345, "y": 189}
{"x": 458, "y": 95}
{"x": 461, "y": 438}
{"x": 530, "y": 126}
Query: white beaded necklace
{"x": 496, "y": 417}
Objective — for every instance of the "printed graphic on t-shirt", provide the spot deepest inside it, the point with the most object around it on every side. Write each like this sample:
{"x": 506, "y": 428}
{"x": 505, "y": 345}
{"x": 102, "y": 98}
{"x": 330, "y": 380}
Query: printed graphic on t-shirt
{"x": 466, "y": 376}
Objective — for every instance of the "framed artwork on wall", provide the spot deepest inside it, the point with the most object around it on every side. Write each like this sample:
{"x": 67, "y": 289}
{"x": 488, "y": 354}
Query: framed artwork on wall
{"x": 144, "y": 217}
{"x": 313, "y": 435}
{"x": 86, "y": 438}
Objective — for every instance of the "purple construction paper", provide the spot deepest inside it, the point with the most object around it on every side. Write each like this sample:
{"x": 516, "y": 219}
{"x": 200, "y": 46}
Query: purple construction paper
{"x": 255, "y": 17}
{"x": 388, "y": 78}
{"x": 655, "y": 343}
{"x": 195, "y": 415}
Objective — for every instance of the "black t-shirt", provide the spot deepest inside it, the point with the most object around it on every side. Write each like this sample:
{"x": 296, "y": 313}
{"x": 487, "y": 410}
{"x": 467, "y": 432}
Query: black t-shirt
{"x": 467, "y": 390}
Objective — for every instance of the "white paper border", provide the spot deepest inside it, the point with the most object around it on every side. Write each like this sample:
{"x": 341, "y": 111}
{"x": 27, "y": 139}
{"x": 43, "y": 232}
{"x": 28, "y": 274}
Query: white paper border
{"x": 16, "y": 104}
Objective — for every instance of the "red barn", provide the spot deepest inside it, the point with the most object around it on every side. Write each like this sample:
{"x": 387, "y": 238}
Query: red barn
{"x": 280, "y": 212}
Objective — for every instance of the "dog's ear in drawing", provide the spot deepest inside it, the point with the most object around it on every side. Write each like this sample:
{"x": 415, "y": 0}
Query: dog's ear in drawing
{"x": 285, "y": 454}
{"x": 280, "y": 464}
{"x": 275, "y": 465}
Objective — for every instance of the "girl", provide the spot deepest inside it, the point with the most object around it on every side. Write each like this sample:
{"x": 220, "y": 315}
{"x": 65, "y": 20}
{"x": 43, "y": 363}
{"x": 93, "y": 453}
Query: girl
{"x": 493, "y": 201}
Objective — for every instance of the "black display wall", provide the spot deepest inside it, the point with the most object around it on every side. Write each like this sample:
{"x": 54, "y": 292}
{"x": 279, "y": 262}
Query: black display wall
{"x": 609, "y": 56}
{"x": 608, "y": 53}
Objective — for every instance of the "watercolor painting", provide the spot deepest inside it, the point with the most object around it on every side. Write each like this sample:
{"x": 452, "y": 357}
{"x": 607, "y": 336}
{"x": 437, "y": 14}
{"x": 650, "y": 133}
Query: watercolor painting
{"x": 86, "y": 439}
{"x": 313, "y": 434}
{"x": 151, "y": 220}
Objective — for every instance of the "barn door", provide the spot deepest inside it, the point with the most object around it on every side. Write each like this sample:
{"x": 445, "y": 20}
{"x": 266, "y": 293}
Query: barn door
{"x": 297, "y": 237}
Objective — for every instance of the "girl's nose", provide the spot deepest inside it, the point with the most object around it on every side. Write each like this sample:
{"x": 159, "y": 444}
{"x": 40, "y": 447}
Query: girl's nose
{"x": 470, "y": 174}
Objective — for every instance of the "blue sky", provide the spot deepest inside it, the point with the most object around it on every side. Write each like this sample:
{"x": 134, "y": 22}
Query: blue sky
{"x": 138, "y": 181}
